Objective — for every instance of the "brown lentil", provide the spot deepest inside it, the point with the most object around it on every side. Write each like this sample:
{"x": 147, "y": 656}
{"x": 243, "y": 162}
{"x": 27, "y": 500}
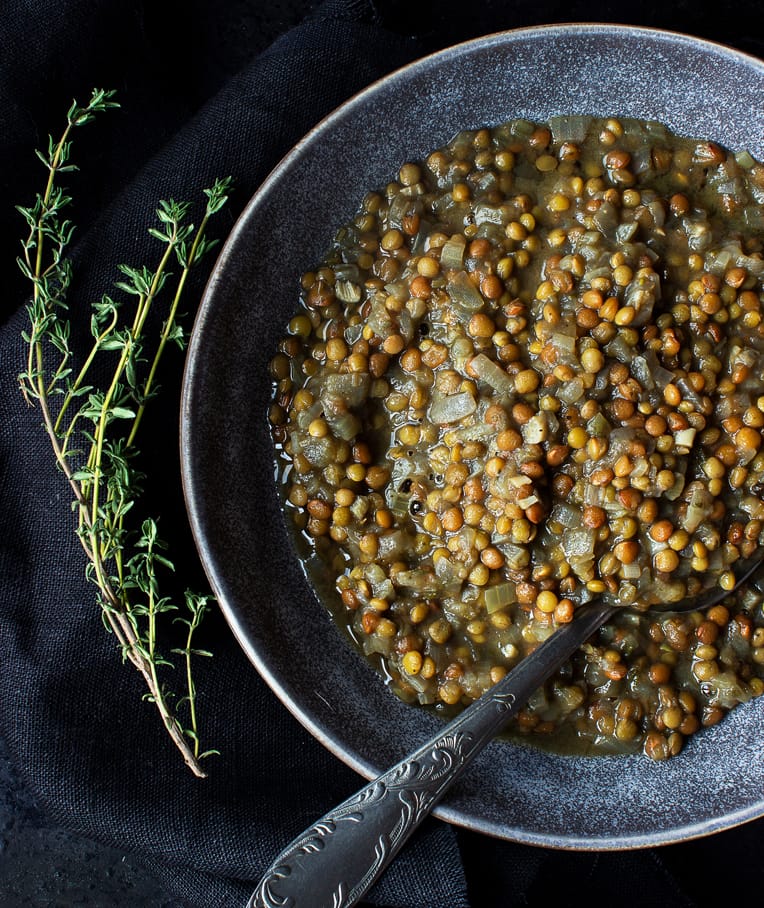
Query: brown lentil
{"x": 495, "y": 408}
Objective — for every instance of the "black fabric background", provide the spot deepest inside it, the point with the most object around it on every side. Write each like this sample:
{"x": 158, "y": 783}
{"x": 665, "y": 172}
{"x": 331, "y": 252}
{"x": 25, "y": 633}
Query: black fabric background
{"x": 208, "y": 91}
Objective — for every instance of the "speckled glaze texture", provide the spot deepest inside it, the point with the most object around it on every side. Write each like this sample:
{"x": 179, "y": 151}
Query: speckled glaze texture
{"x": 514, "y": 792}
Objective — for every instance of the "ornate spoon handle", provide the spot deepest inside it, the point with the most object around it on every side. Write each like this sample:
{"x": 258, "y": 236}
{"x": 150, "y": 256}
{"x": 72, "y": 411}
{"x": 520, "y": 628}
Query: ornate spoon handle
{"x": 332, "y": 864}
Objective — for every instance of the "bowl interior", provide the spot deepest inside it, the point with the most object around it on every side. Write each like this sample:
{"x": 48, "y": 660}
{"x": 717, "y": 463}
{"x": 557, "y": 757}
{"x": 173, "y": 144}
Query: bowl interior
{"x": 516, "y": 792}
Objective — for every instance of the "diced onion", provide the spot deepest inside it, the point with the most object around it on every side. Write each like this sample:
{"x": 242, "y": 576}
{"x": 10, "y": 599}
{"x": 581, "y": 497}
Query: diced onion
{"x": 570, "y": 128}
{"x": 661, "y": 376}
{"x": 398, "y": 290}
{"x": 698, "y": 508}
{"x": 419, "y": 246}
{"x": 578, "y": 542}
{"x": 620, "y": 349}
{"x": 392, "y": 544}
{"x": 570, "y": 391}
{"x": 516, "y": 556}
{"x": 624, "y": 233}
{"x": 397, "y": 502}
{"x": 499, "y": 596}
{"x": 745, "y": 159}
{"x": 464, "y": 293}
{"x": 478, "y": 432}
{"x": 488, "y": 214}
{"x": 345, "y": 426}
{"x": 606, "y": 219}
{"x": 397, "y": 210}
{"x": 536, "y": 430}
{"x": 419, "y": 580}
{"x": 452, "y": 408}
{"x": 641, "y": 371}
{"x": 352, "y": 387}
{"x": 492, "y": 374}
{"x": 563, "y": 342}
{"x": 379, "y": 320}
{"x": 305, "y": 417}
{"x": 347, "y": 291}
{"x": 685, "y": 437}
{"x": 320, "y": 452}
{"x": 452, "y": 252}
{"x": 676, "y": 490}
{"x": 641, "y": 294}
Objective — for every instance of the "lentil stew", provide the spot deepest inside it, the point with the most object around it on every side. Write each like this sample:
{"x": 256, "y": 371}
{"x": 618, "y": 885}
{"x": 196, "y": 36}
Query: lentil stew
{"x": 528, "y": 373}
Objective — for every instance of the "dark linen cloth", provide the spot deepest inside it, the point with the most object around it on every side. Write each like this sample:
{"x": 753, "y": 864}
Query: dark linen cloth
{"x": 210, "y": 89}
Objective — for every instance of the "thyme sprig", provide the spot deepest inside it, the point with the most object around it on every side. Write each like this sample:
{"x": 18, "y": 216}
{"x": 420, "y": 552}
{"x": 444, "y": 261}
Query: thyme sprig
{"x": 93, "y": 429}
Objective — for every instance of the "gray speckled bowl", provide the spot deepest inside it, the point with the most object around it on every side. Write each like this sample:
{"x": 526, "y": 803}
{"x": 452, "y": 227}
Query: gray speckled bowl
{"x": 519, "y": 793}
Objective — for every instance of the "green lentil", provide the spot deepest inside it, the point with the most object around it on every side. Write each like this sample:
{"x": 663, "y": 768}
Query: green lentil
{"x": 489, "y": 414}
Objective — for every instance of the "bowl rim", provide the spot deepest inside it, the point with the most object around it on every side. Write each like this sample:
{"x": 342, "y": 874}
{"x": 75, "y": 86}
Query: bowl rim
{"x": 232, "y": 612}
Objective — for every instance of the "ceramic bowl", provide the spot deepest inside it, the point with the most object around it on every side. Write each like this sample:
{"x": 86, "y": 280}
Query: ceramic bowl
{"x": 516, "y": 792}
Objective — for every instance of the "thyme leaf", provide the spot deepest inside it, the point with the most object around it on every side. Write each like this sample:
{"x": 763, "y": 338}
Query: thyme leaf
{"x": 93, "y": 429}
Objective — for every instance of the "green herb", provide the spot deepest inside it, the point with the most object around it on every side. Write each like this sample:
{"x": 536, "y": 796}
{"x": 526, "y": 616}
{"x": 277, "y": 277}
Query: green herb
{"x": 93, "y": 429}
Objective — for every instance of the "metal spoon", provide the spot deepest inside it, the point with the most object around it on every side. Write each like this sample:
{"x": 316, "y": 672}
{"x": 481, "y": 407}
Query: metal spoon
{"x": 334, "y": 862}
